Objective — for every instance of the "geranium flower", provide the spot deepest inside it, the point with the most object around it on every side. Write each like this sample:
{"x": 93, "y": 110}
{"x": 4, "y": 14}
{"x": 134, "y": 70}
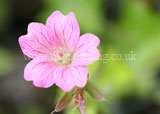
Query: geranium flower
{"x": 59, "y": 53}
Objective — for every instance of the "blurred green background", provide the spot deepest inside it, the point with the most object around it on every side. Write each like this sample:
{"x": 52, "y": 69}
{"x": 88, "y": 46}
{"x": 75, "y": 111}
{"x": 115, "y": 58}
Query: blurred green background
{"x": 125, "y": 27}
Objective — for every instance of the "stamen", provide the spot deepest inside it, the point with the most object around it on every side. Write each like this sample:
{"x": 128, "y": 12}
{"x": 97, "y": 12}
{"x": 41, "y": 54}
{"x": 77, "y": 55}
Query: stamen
{"x": 62, "y": 56}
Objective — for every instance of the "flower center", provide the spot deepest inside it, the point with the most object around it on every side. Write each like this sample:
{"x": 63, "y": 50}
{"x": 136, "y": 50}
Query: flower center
{"x": 62, "y": 56}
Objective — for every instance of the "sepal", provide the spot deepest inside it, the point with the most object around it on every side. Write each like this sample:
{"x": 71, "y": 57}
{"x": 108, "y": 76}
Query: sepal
{"x": 94, "y": 92}
{"x": 64, "y": 102}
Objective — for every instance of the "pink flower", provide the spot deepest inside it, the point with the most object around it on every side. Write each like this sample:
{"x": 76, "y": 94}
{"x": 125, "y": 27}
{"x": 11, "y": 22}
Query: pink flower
{"x": 59, "y": 53}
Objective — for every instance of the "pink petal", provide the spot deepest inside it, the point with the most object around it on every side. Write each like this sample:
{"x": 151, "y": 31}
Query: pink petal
{"x": 37, "y": 41}
{"x": 87, "y": 51}
{"x": 40, "y": 71}
{"x": 65, "y": 29}
{"x": 68, "y": 77}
